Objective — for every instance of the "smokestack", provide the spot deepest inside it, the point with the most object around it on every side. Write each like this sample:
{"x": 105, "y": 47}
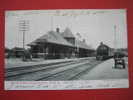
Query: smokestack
{"x": 57, "y": 30}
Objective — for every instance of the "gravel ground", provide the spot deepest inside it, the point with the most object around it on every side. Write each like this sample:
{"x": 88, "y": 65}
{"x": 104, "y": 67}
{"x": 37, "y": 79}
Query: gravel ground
{"x": 106, "y": 70}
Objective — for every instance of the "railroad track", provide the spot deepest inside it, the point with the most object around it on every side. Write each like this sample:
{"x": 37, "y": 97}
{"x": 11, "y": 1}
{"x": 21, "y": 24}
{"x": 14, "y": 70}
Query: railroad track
{"x": 72, "y": 73}
{"x": 29, "y": 69}
{"x": 36, "y": 72}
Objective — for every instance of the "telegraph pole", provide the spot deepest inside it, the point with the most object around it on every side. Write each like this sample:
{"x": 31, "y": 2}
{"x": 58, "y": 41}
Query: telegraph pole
{"x": 78, "y": 39}
{"x": 23, "y": 27}
{"x": 115, "y": 41}
{"x": 52, "y": 21}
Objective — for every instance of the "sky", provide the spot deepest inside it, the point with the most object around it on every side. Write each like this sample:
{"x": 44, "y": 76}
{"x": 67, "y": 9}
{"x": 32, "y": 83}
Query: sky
{"x": 94, "y": 25}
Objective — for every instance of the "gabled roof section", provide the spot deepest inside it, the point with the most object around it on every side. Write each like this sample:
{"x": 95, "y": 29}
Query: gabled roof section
{"x": 52, "y": 37}
{"x": 67, "y": 33}
{"x": 82, "y": 44}
{"x": 59, "y": 38}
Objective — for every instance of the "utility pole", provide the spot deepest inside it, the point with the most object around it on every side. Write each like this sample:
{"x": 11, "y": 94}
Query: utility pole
{"x": 76, "y": 45}
{"x": 115, "y": 41}
{"x": 52, "y": 21}
{"x": 78, "y": 39}
{"x": 23, "y": 27}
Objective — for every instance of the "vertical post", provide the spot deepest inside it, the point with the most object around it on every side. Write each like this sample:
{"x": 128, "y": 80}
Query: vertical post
{"x": 51, "y": 22}
{"x": 23, "y": 39}
{"x": 77, "y": 49}
{"x": 115, "y": 41}
{"x": 44, "y": 51}
{"x": 76, "y": 45}
{"x": 23, "y": 27}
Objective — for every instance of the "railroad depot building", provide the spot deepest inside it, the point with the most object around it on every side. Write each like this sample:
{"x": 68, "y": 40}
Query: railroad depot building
{"x": 59, "y": 45}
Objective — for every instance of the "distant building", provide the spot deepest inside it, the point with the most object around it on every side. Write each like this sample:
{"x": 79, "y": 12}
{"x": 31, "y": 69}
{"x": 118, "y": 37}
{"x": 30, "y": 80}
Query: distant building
{"x": 56, "y": 44}
{"x": 16, "y": 52}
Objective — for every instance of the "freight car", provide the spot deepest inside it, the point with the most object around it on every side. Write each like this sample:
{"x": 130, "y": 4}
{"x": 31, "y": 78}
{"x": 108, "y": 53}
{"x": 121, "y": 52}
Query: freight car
{"x": 103, "y": 52}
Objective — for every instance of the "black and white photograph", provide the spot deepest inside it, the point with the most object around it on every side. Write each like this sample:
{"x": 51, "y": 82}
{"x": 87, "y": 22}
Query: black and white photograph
{"x": 66, "y": 49}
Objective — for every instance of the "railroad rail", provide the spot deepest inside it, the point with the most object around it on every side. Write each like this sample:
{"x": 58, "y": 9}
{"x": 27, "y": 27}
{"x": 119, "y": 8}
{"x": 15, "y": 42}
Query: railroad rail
{"x": 58, "y": 71}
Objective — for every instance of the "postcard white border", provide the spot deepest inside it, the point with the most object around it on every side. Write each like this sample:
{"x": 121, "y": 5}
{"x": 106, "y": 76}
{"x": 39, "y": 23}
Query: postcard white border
{"x": 66, "y": 85}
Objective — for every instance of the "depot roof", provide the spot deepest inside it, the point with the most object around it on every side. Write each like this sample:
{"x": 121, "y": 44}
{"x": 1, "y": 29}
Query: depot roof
{"x": 82, "y": 44}
{"x": 59, "y": 38}
{"x": 67, "y": 33}
{"x": 51, "y": 37}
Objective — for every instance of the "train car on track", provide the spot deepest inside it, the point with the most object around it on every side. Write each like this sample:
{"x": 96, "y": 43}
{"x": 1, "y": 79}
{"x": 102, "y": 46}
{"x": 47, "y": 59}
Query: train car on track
{"x": 103, "y": 52}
